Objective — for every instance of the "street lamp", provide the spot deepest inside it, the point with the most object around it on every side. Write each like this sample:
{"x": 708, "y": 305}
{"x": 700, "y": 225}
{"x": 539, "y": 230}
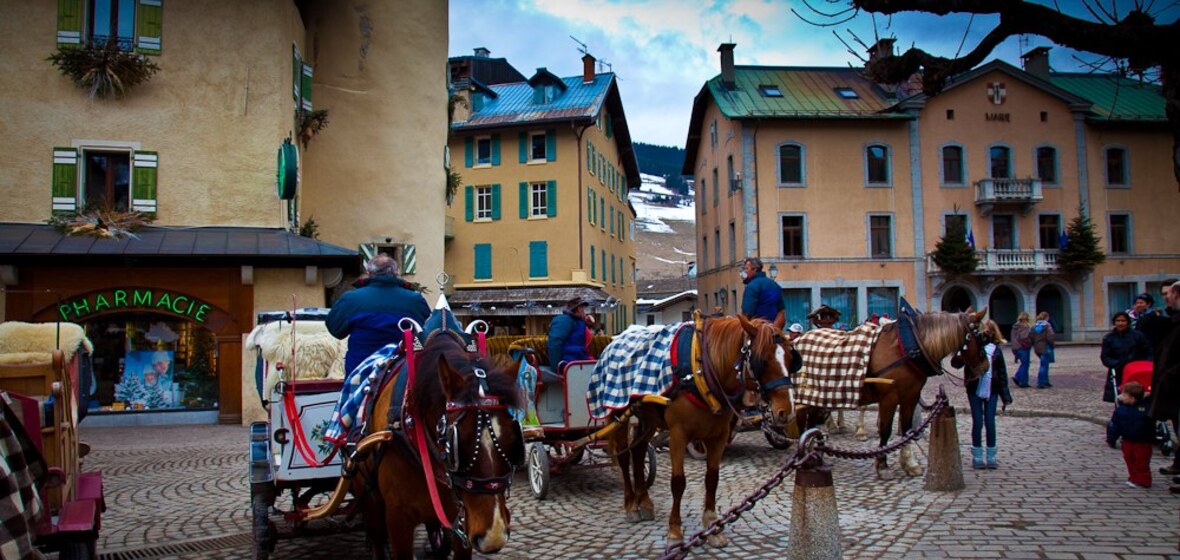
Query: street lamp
{"x": 773, "y": 272}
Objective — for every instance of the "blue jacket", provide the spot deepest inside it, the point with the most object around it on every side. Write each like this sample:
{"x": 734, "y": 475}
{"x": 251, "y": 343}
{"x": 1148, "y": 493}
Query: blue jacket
{"x": 1131, "y": 423}
{"x": 369, "y": 316}
{"x": 568, "y": 339}
{"x": 763, "y": 297}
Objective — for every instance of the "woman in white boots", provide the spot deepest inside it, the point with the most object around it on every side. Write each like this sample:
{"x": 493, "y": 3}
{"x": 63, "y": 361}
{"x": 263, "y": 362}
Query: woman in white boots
{"x": 983, "y": 392}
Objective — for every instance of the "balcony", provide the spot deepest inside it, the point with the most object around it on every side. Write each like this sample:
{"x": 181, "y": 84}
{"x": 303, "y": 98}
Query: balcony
{"x": 448, "y": 228}
{"x": 1021, "y": 194}
{"x": 1008, "y": 261}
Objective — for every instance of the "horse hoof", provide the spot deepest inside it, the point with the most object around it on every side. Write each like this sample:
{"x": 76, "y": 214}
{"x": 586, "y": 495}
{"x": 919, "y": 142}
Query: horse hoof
{"x": 717, "y": 541}
{"x": 885, "y": 474}
{"x": 913, "y": 470}
{"x": 633, "y": 517}
{"x": 675, "y": 537}
{"x": 647, "y": 514}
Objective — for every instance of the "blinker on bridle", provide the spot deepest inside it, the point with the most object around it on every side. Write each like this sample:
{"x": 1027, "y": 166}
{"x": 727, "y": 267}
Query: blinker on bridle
{"x": 449, "y": 445}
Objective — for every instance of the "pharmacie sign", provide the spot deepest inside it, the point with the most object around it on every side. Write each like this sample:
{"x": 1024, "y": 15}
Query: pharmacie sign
{"x": 130, "y": 299}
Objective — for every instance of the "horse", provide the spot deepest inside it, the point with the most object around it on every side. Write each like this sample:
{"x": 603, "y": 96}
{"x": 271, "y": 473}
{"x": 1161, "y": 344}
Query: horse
{"x": 741, "y": 355}
{"x": 473, "y": 446}
{"x": 940, "y": 334}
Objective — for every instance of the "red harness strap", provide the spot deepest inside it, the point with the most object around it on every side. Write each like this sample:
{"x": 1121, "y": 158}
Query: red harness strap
{"x": 420, "y": 434}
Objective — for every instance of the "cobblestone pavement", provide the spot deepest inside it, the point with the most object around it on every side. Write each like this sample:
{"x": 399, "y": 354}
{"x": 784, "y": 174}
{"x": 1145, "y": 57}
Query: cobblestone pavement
{"x": 181, "y": 492}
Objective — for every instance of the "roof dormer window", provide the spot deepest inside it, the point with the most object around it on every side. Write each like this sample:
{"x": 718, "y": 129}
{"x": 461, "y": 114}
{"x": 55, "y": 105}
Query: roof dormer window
{"x": 770, "y": 91}
{"x": 546, "y": 87}
{"x": 847, "y": 93}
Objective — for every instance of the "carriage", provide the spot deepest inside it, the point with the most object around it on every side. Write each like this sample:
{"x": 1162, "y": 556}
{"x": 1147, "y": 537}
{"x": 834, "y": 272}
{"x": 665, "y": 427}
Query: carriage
{"x": 45, "y": 372}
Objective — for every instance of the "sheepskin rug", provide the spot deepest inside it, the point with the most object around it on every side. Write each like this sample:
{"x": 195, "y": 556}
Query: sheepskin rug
{"x": 33, "y": 343}
{"x": 318, "y": 354}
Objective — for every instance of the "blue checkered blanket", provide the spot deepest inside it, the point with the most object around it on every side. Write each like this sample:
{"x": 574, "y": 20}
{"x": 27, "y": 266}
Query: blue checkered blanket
{"x": 354, "y": 393}
{"x": 637, "y": 362}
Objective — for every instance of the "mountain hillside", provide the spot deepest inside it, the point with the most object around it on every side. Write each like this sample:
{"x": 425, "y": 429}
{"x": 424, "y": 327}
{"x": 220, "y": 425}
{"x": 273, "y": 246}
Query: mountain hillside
{"x": 665, "y": 235}
{"x": 662, "y": 161}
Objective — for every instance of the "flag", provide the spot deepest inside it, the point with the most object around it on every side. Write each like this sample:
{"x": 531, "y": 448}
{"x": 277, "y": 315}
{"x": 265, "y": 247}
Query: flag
{"x": 971, "y": 239}
{"x": 1062, "y": 241}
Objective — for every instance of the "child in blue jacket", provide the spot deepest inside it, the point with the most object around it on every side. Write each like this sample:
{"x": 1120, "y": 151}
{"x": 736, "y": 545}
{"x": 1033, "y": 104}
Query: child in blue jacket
{"x": 1131, "y": 423}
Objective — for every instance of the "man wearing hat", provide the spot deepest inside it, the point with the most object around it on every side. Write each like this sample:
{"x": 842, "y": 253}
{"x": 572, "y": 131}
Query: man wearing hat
{"x": 763, "y": 297}
{"x": 569, "y": 334}
{"x": 795, "y": 331}
{"x": 824, "y": 316}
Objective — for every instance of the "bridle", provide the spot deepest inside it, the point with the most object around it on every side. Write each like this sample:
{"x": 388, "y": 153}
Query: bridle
{"x": 459, "y": 466}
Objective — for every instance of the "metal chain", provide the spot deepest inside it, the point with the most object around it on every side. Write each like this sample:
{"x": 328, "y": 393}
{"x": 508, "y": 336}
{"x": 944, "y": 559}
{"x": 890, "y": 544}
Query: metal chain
{"x": 940, "y": 402}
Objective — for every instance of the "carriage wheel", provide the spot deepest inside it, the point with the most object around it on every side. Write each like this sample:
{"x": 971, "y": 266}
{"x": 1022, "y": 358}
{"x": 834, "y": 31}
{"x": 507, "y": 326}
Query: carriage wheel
{"x": 650, "y": 477}
{"x": 538, "y": 466}
{"x": 696, "y": 450}
{"x": 776, "y": 439}
{"x": 264, "y": 530}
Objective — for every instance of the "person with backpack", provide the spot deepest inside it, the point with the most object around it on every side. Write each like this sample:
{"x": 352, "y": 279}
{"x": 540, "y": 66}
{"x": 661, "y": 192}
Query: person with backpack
{"x": 1022, "y": 348}
{"x": 1043, "y": 337}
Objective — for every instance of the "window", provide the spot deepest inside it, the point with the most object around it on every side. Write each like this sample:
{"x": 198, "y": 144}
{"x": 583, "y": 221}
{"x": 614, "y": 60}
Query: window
{"x": 612, "y": 220}
{"x": 112, "y": 20}
{"x": 1120, "y": 295}
{"x": 107, "y": 180}
{"x": 1047, "y": 164}
{"x": 602, "y": 213}
{"x": 1000, "y": 162}
{"x": 770, "y": 91}
{"x": 111, "y": 178}
{"x": 1049, "y": 231}
{"x": 483, "y": 151}
{"x": 483, "y": 261}
{"x": 883, "y": 301}
{"x": 538, "y": 200}
{"x": 716, "y": 188}
{"x": 880, "y": 237}
{"x": 847, "y": 93}
{"x": 538, "y": 259}
{"x": 950, "y": 114}
{"x": 1120, "y": 233}
{"x": 713, "y": 133}
{"x": 717, "y": 248}
{"x": 483, "y": 202}
{"x": 952, "y": 165}
{"x": 952, "y": 220}
{"x": 1003, "y": 231}
{"x": 732, "y": 242}
{"x": 792, "y": 237}
{"x": 1116, "y": 167}
{"x": 733, "y": 181}
{"x": 844, "y": 300}
{"x": 537, "y": 144}
{"x": 877, "y": 164}
{"x": 704, "y": 194}
{"x": 798, "y": 304}
{"x": 651, "y": 320}
{"x": 593, "y": 265}
{"x": 705, "y": 252}
{"x": 790, "y": 164}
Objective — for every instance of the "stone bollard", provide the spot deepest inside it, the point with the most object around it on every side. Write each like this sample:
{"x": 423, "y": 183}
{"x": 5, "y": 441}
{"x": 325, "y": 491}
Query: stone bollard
{"x": 815, "y": 523}
{"x": 944, "y": 469}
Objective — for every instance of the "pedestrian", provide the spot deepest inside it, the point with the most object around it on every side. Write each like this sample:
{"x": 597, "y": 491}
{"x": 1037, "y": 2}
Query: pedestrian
{"x": 1121, "y": 346}
{"x": 763, "y": 298}
{"x": 369, "y": 315}
{"x": 1132, "y": 423}
{"x": 1022, "y": 348}
{"x": 1043, "y": 342}
{"x": 1165, "y": 377}
{"x": 1142, "y": 305}
{"x": 824, "y": 316}
{"x": 794, "y": 332}
{"x": 983, "y": 393}
{"x": 570, "y": 335}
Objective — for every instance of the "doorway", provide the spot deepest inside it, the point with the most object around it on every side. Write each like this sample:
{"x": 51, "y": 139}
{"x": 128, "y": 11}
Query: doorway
{"x": 957, "y": 299}
{"x": 1052, "y": 299}
{"x": 1003, "y": 306}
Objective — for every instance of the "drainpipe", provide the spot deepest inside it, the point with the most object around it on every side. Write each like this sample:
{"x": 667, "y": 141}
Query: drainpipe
{"x": 917, "y": 204}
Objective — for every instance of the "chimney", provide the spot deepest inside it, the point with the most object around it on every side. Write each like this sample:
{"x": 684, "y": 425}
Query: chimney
{"x": 727, "y": 76}
{"x": 882, "y": 48}
{"x": 588, "y": 68}
{"x": 482, "y": 52}
{"x": 1036, "y": 62}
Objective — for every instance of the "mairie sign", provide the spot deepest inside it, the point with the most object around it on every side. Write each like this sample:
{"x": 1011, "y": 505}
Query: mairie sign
{"x": 144, "y": 299}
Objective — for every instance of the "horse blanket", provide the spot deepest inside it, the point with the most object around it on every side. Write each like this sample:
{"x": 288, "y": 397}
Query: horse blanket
{"x": 834, "y": 365}
{"x": 358, "y": 386}
{"x": 20, "y": 505}
{"x": 637, "y": 362}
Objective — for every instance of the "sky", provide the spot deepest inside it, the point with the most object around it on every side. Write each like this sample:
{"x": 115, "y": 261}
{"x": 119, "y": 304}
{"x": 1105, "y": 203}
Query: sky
{"x": 663, "y": 51}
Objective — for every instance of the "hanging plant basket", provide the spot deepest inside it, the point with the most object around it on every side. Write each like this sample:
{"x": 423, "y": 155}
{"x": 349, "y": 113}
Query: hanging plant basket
{"x": 311, "y": 123}
{"x": 103, "y": 70}
{"x": 102, "y": 224}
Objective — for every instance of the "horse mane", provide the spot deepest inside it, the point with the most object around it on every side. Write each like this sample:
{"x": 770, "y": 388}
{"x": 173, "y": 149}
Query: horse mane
{"x": 727, "y": 332}
{"x": 941, "y": 332}
{"x": 446, "y": 346}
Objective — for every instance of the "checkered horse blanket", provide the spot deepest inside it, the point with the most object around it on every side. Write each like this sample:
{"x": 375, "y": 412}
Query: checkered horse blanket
{"x": 834, "y": 365}
{"x": 20, "y": 505}
{"x": 347, "y": 417}
{"x": 637, "y": 362}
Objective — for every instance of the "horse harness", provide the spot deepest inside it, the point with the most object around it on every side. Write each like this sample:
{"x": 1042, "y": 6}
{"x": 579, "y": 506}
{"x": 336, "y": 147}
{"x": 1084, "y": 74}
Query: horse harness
{"x": 909, "y": 342}
{"x": 698, "y": 380}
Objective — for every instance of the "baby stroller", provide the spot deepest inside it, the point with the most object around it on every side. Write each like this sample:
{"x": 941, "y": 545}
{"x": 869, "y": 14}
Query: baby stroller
{"x": 1141, "y": 371}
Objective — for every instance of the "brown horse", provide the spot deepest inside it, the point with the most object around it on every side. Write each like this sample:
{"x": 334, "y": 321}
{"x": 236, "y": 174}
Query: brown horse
{"x": 940, "y": 335}
{"x": 474, "y": 446}
{"x": 742, "y": 355}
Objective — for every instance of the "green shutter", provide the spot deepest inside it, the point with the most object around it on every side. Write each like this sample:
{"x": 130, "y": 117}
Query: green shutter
{"x": 593, "y": 160}
{"x": 612, "y": 219}
{"x": 65, "y": 181}
{"x": 483, "y": 261}
{"x": 612, "y": 270}
{"x": 551, "y": 196}
{"x": 551, "y": 145}
{"x": 524, "y": 200}
{"x": 469, "y": 203}
{"x": 602, "y": 213}
{"x": 593, "y": 264}
{"x": 524, "y": 150}
{"x": 69, "y": 22}
{"x": 602, "y": 263}
{"x": 538, "y": 259}
{"x": 496, "y": 201}
{"x": 296, "y": 72}
{"x": 589, "y": 151}
{"x": 305, "y": 88}
{"x": 468, "y": 152}
{"x": 590, "y": 207}
{"x": 143, "y": 182}
{"x": 409, "y": 260}
{"x": 609, "y": 127}
{"x": 150, "y": 21}
{"x": 495, "y": 149}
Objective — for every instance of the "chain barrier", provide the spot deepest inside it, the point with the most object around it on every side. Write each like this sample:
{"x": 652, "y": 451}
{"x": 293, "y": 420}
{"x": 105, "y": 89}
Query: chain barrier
{"x": 810, "y": 452}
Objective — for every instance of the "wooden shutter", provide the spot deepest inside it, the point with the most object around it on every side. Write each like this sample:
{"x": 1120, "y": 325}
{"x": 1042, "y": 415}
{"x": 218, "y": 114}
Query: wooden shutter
{"x": 590, "y": 206}
{"x": 589, "y": 153}
{"x": 538, "y": 259}
{"x": 483, "y": 261}
{"x": 551, "y": 145}
{"x": 409, "y": 259}
{"x": 296, "y": 73}
{"x": 495, "y": 149}
{"x": 64, "y": 191}
{"x": 593, "y": 264}
{"x": 612, "y": 219}
{"x": 305, "y": 87}
{"x": 551, "y": 197}
{"x": 524, "y": 200}
{"x": 469, "y": 203}
{"x": 143, "y": 182}
{"x": 496, "y": 201}
{"x": 524, "y": 147}
{"x": 602, "y": 213}
{"x": 149, "y": 19}
{"x": 69, "y": 23}
{"x": 468, "y": 152}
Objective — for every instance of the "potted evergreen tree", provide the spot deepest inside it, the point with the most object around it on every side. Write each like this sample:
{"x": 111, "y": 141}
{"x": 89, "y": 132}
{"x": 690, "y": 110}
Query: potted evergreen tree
{"x": 952, "y": 254}
{"x": 1080, "y": 253}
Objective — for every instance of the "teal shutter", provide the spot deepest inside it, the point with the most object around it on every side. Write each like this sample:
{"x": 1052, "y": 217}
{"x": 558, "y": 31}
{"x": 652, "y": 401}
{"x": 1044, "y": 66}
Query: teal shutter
{"x": 602, "y": 262}
{"x": 495, "y": 149}
{"x": 524, "y": 200}
{"x": 468, "y": 152}
{"x": 64, "y": 191}
{"x": 551, "y": 145}
{"x": 602, "y": 215}
{"x": 612, "y": 219}
{"x": 69, "y": 22}
{"x": 524, "y": 147}
{"x": 612, "y": 269}
{"x": 305, "y": 87}
{"x": 296, "y": 73}
{"x": 609, "y": 127}
{"x": 551, "y": 196}
{"x": 593, "y": 264}
{"x": 409, "y": 260}
{"x": 483, "y": 261}
{"x": 150, "y": 21}
{"x": 589, "y": 152}
{"x": 469, "y": 203}
{"x": 143, "y": 182}
{"x": 538, "y": 259}
{"x": 590, "y": 207}
{"x": 496, "y": 201}
{"x": 593, "y": 160}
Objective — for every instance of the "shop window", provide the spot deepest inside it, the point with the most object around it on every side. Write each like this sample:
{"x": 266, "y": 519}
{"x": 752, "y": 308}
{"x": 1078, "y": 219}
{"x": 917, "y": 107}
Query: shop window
{"x": 152, "y": 362}
{"x": 843, "y": 300}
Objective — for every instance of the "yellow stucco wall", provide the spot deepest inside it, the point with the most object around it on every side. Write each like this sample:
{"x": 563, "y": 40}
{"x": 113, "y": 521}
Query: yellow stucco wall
{"x": 376, "y": 172}
{"x": 215, "y": 112}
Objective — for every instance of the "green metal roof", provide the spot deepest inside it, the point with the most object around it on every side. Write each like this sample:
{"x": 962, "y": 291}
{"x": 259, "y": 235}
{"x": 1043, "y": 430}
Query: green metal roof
{"x": 807, "y": 92}
{"x": 1114, "y": 97}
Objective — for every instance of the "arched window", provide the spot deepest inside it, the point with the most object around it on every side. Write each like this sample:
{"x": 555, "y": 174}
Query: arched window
{"x": 790, "y": 164}
{"x": 952, "y": 165}
{"x": 1000, "y": 162}
{"x": 877, "y": 164}
{"x": 1047, "y": 164}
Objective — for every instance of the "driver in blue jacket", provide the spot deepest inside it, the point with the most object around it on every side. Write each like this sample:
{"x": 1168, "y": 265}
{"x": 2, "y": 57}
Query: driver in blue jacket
{"x": 763, "y": 297}
{"x": 368, "y": 316}
{"x": 569, "y": 335}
